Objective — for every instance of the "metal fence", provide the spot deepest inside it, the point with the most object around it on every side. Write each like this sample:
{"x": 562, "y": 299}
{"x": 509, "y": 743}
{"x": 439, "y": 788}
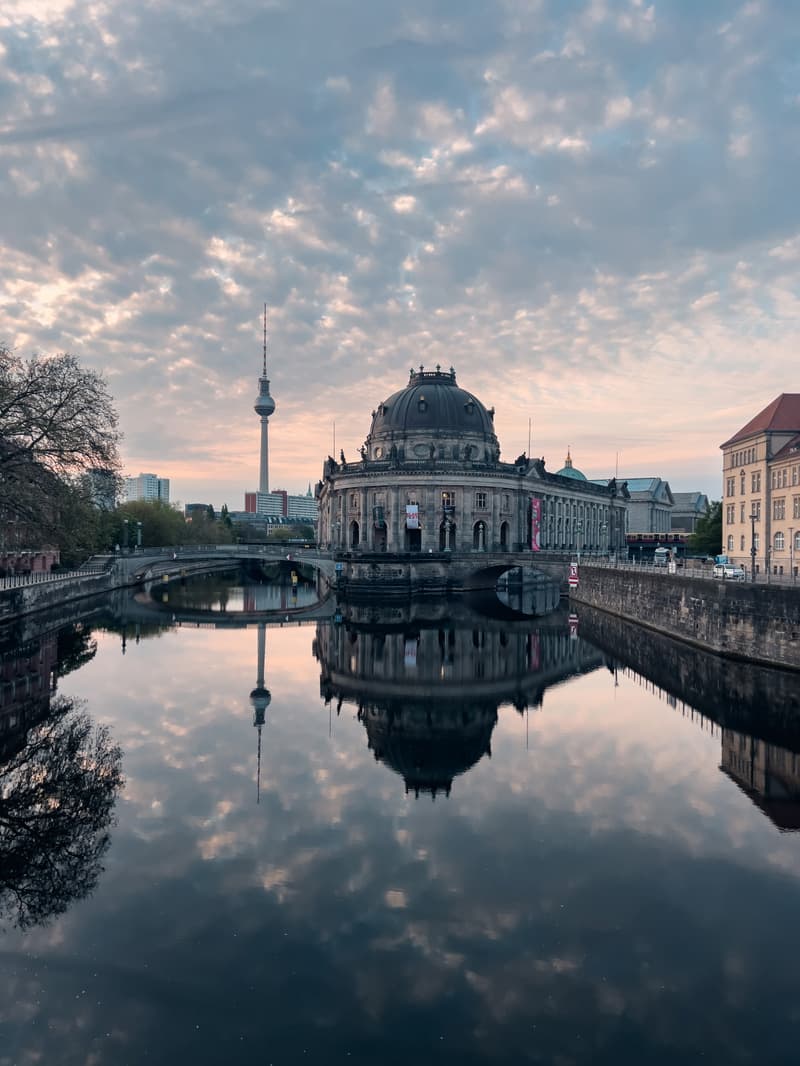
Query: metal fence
{"x": 704, "y": 572}
{"x": 17, "y": 581}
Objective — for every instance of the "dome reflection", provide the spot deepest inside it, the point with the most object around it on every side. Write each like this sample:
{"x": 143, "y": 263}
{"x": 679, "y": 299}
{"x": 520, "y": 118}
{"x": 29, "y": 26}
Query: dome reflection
{"x": 428, "y": 687}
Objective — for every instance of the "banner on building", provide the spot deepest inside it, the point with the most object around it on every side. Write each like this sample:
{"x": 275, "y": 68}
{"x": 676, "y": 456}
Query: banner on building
{"x": 410, "y": 652}
{"x": 536, "y": 524}
{"x": 412, "y": 516}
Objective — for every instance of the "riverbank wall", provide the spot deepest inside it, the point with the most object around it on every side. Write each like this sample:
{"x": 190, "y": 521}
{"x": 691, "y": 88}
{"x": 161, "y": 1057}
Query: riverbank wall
{"x": 757, "y": 623}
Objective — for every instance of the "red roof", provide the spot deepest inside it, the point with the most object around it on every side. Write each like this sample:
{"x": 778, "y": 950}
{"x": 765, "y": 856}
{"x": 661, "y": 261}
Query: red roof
{"x": 781, "y": 416}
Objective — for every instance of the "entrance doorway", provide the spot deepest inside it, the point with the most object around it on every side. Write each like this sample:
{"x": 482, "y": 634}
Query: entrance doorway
{"x": 354, "y": 537}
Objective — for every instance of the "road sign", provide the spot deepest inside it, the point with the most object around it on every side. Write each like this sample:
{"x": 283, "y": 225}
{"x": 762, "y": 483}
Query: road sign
{"x": 573, "y": 575}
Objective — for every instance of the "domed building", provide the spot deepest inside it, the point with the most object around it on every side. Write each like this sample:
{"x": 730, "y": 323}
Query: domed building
{"x": 430, "y": 479}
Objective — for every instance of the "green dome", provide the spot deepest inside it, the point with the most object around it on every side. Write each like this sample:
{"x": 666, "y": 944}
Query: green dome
{"x": 568, "y": 470}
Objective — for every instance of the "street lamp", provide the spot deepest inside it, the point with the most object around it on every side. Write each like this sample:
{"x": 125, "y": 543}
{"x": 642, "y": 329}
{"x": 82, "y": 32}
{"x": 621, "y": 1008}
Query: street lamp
{"x": 139, "y": 535}
{"x": 791, "y": 553}
{"x": 124, "y": 536}
{"x": 604, "y": 537}
{"x": 578, "y": 534}
{"x": 753, "y": 517}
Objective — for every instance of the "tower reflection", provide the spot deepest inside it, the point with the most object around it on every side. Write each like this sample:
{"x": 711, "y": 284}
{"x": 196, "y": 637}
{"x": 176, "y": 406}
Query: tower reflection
{"x": 428, "y": 689}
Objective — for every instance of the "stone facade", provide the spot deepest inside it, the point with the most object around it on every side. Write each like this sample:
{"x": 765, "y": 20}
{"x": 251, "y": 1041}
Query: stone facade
{"x": 430, "y": 479}
{"x": 761, "y": 486}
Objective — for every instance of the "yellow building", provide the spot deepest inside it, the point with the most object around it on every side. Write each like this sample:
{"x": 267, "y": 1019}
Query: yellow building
{"x": 761, "y": 490}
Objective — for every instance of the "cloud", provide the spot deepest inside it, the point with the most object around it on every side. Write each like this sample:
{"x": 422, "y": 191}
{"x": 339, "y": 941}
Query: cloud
{"x": 517, "y": 190}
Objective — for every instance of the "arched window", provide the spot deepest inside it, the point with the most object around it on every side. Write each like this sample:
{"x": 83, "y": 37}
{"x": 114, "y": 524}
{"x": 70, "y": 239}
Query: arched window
{"x": 479, "y": 537}
{"x": 778, "y": 542}
{"x": 730, "y": 542}
{"x": 797, "y": 542}
{"x": 354, "y": 534}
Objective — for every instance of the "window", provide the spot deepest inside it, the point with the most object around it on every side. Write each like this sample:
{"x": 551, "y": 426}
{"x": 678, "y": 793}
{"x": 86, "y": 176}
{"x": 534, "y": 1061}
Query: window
{"x": 756, "y": 482}
{"x": 741, "y": 483}
{"x": 779, "y": 509}
{"x": 784, "y": 477}
{"x": 730, "y": 514}
{"x": 756, "y": 510}
{"x": 741, "y": 543}
{"x": 505, "y": 502}
{"x": 757, "y": 541}
{"x": 741, "y": 512}
{"x": 730, "y": 542}
{"x": 730, "y": 486}
{"x": 778, "y": 542}
{"x": 796, "y": 507}
{"x": 774, "y": 479}
{"x": 480, "y": 501}
{"x": 411, "y": 496}
{"x": 353, "y": 501}
{"x": 794, "y": 475}
{"x": 797, "y": 541}
{"x": 448, "y": 501}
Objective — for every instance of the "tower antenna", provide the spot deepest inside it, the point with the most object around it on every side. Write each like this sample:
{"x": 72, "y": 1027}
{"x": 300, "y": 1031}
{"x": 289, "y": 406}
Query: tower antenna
{"x": 264, "y": 371}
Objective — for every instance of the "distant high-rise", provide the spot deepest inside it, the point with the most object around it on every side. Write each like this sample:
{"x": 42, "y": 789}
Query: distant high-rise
{"x": 147, "y": 487}
{"x": 264, "y": 407}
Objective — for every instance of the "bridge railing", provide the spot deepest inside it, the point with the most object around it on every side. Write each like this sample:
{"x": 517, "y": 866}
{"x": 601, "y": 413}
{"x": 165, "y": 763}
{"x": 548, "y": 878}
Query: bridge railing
{"x": 17, "y": 581}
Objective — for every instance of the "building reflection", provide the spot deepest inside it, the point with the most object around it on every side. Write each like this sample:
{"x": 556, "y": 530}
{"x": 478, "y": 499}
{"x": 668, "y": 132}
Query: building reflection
{"x": 428, "y": 690}
{"x": 27, "y": 683}
{"x": 767, "y": 774}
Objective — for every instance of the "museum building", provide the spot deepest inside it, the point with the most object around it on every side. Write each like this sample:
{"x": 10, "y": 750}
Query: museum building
{"x": 430, "y": 479}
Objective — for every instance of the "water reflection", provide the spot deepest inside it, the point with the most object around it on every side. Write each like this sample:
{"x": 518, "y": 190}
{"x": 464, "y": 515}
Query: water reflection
{"x": 428, "y": 690}
{"x": 59, "y": 779}
{"x": 234, "y": 594}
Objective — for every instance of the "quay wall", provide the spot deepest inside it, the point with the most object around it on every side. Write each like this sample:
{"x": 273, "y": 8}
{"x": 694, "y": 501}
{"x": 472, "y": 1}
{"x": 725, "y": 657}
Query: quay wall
{"x": 759, "y": 623}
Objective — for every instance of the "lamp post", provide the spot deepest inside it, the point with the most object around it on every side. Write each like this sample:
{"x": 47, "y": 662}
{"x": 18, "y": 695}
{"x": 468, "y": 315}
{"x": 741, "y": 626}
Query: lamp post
{"x": 578, "y": 535}
{"x": 791, "y": 553}
{"x": 604, "y": 538}
{"x": 124, "y": 536}
{"x": 139, "y": 535}
{"x": 753, "y": 517}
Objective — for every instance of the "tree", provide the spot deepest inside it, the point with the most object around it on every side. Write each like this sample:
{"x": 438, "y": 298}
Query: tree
{"x": 56, "y": 421}
{"x": 707, "y": 537}
{"x": 161, "y": 524}
{"x": 57, "y": 797}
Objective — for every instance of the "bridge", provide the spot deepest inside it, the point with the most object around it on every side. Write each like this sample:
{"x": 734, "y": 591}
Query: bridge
{"x": 358, "y": 571}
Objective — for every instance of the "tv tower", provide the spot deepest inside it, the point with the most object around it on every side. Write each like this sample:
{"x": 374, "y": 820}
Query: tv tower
{"x": 264, "y": 407}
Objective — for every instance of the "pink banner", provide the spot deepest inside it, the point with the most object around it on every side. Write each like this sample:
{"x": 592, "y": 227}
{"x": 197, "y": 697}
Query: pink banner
{"x": 536, "y": 524}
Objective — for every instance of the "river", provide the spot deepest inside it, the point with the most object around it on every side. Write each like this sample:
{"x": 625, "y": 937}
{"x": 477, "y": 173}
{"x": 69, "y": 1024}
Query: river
{"x": 392, "y": 836}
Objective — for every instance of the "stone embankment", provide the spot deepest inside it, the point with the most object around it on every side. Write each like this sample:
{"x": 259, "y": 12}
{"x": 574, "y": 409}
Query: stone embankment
{"x": 759, "y": 623}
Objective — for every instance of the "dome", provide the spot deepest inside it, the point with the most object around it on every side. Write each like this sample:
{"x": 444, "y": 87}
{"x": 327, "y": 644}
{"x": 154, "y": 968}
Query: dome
{"x": 432, "y": 402}
{"x": 568, "y": 470}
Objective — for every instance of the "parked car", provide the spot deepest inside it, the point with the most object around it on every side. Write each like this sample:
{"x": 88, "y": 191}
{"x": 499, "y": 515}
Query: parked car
{"x": 729, "y": 572}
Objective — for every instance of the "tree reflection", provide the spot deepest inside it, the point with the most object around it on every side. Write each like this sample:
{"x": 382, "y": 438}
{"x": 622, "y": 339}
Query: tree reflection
{"x": 57, "y": 796}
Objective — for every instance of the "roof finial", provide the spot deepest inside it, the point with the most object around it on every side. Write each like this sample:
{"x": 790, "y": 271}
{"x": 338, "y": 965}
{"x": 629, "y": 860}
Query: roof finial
{"x": 568, "y": 460}
{"x": 264, "y": 371}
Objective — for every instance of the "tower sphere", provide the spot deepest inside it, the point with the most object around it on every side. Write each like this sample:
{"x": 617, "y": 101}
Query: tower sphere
{"x": 264, "y": 404}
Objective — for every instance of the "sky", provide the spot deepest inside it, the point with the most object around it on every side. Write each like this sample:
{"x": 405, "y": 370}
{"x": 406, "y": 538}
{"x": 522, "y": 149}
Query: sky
{"x": 588, "y": 208}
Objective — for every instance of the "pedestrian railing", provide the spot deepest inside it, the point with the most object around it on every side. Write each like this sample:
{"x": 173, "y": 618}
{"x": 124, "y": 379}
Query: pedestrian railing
{"x": 17, "y": 581}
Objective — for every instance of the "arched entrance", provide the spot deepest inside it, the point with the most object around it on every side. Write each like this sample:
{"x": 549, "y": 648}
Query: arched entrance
{"x": 504, "y": 537}
{"x": 479, "y": 537}
{"x": 447, "y": 536}
{"x": 354, "y": 534}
